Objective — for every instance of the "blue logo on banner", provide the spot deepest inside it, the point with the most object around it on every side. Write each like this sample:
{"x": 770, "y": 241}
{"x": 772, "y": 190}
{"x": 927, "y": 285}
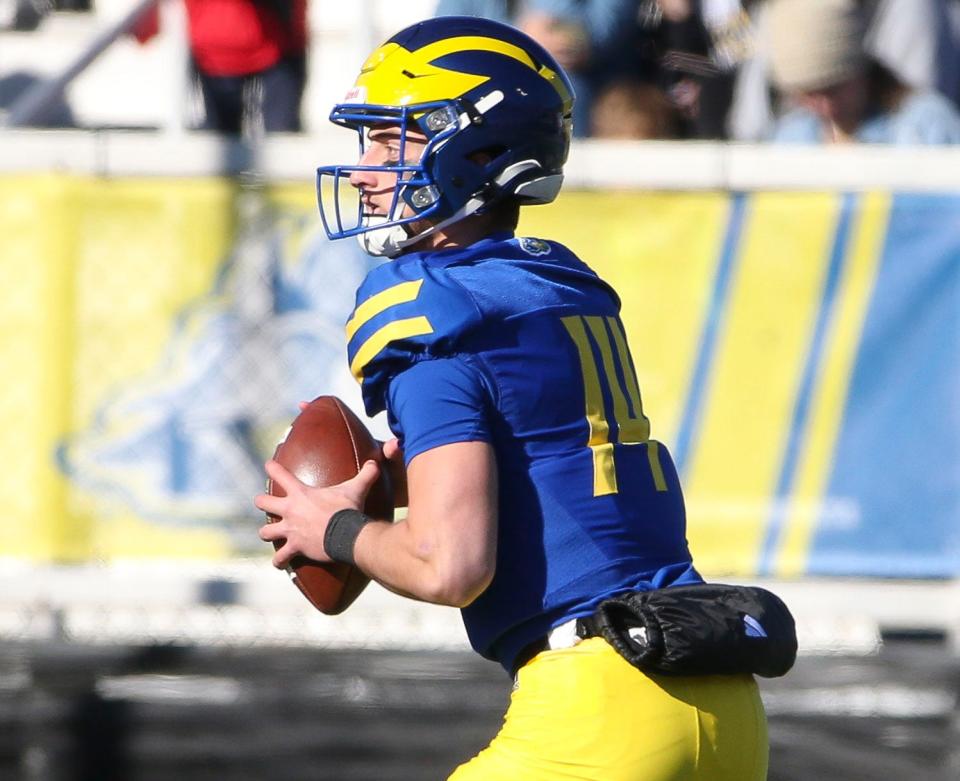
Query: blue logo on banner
{"x": 186, "y": 443}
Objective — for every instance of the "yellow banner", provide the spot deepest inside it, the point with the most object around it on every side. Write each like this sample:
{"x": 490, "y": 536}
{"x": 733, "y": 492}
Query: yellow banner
{"x": 157, "y": 334}
{"x": 95, "y": 273}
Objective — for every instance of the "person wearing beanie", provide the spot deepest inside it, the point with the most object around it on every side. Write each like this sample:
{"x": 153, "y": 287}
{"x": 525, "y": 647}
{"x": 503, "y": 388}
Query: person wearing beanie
{"x": 836, "y": 92}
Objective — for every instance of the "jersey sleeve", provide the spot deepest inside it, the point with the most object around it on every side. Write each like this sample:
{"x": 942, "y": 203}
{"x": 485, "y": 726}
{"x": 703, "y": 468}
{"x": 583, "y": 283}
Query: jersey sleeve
{"x": 405, "y": 314}
{"x": 438, "y": 402}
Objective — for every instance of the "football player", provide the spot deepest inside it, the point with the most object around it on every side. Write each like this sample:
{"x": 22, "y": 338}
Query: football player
{"x": 534, "y": 488}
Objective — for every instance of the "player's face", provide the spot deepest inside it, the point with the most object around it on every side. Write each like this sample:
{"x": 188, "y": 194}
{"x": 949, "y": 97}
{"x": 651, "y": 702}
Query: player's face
{"x": 383, "y": 149}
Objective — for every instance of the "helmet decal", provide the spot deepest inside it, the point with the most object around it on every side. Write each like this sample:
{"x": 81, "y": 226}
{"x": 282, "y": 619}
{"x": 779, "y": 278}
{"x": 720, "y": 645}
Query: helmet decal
{"x": 392, "y": 75}
{"x": 400, "y": 78}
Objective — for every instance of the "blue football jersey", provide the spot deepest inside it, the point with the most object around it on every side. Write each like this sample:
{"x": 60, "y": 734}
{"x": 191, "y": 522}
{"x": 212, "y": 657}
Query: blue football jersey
{"x": 518, "y": 343}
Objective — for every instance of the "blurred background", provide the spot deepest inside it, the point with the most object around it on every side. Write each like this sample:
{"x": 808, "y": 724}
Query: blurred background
{"x": 772, "y": 186}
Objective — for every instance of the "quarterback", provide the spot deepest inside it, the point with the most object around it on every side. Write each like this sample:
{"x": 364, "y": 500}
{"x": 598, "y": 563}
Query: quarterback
{"x": 534, "y": 490}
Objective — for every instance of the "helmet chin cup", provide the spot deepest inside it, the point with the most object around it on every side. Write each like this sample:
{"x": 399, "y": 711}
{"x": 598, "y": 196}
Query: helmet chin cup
{"x": 382, "y": 242}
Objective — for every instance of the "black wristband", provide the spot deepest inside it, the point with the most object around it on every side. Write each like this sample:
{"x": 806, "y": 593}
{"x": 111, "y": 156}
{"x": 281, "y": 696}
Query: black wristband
{"x": 341, "y": 534}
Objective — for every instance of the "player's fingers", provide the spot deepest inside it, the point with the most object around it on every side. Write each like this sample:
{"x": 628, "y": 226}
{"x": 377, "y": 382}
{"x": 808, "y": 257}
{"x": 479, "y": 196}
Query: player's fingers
{"x": 280, "y": 475}
{"x": 355, "y": 489}
{"x": 283, "y": 555}
{"x": 270, "y": 532}
{"x": 269, "y": 504}
{"x": 367, "y": 476}
{"x": 303, "y": 405}
{"x": 391, "y": 449}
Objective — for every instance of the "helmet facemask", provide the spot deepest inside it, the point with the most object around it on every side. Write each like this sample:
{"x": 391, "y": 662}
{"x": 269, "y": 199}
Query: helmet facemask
{"x": 416, "y": 191}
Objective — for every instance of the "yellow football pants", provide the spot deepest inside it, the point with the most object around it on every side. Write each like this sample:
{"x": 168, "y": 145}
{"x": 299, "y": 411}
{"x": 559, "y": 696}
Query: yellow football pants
{"x": 584, "y": 713}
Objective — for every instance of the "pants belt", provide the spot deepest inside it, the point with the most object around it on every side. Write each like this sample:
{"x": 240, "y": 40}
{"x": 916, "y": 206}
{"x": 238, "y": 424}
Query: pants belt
{"x": 566, "y": 635}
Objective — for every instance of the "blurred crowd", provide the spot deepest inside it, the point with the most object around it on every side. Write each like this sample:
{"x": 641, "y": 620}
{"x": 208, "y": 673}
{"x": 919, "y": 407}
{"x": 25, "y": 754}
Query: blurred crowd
{"x": 799, "y": 71}
{"x": 795, "y": 71}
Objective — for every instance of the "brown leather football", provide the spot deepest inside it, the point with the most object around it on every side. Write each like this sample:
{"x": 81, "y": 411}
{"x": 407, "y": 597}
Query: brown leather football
{"x": 327, "y": 444}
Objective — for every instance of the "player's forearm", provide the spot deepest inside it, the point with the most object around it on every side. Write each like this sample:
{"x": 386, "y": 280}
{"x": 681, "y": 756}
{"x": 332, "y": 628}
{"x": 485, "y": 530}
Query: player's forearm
{"x": 444, "y": 551}
{"x": 409, "y": 563}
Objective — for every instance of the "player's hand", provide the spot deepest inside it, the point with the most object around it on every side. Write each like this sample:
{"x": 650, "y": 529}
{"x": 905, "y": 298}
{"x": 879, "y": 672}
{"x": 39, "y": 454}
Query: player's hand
{"x": 396, "y": 471}
{"x": 305, "y": 511}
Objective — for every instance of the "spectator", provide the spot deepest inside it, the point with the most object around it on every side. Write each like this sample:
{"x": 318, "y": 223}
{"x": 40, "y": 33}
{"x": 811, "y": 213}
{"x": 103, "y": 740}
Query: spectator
{"x": 250, "y": 57}
{"x": 819, "y": 61}
{"x": 631, "y": 109}
{"x": 593, "y": 40}
{"x": 916, "y": 40}
{"x": 697, "y": 46}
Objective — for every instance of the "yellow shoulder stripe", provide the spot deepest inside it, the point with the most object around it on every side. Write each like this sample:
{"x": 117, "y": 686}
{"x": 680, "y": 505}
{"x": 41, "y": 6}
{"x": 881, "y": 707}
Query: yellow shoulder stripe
{"x": 398, "y": 329}
{"x": 397, "y": 294}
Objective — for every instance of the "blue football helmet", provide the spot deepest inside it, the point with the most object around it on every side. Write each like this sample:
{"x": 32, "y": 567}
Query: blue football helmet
{"x": 495, "y": 108}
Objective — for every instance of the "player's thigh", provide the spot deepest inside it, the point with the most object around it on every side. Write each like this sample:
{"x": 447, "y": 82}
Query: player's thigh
{"x": 584, "y": 713}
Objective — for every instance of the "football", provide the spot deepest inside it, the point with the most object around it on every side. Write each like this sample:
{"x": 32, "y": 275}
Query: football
{"x": 327, "y": 444}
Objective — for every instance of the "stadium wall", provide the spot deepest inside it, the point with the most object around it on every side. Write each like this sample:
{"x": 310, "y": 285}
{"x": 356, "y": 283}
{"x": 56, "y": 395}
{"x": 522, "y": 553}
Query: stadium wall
{"x": 797, "y": 343}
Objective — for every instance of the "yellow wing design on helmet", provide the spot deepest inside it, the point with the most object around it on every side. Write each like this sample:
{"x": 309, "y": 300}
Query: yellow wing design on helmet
{"x": 394, "y": 76}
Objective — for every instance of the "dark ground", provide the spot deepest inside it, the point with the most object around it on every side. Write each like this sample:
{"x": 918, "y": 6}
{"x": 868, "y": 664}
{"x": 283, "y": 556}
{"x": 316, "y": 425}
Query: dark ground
{"x": 70, "y": 713}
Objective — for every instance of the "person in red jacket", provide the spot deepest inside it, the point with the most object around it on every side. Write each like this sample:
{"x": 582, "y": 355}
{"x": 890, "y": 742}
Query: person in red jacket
{"x": 250, "y": 57}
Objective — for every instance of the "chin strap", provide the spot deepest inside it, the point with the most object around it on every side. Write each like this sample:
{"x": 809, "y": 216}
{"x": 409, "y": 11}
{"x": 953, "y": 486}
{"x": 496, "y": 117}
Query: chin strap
{"x": 390, "y": 241}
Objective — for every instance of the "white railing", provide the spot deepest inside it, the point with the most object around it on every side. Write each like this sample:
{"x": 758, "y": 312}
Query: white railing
{"x": 248, "y": 603}
{"x": 593, "y": 164}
